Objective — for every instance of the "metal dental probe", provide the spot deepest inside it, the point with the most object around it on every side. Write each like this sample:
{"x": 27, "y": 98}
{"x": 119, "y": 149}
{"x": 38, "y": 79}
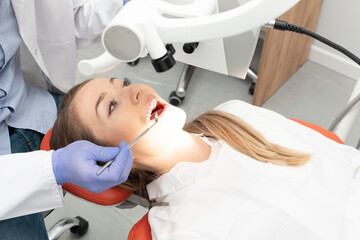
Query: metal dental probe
{"x": 130, "y": 144}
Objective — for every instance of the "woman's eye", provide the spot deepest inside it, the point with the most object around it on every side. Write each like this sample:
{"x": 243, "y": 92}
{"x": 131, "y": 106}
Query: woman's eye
{"x": 112, "y": 106}
{"x": 126, "y": 82}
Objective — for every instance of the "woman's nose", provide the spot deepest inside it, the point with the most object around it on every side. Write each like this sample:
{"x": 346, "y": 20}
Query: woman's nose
{"x": 135, "y": 94}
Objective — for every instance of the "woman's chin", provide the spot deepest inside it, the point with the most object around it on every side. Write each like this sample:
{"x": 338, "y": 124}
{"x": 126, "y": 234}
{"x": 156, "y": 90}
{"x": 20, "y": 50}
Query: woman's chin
{"x": 173, "y": 118}
{"x": 164, "y": 135}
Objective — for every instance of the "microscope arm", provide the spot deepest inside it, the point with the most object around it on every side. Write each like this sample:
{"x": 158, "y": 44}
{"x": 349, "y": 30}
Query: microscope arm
{"x": 102, "y": 63}
{"x": 145, "y": 26}
{"x": 246, "y": 17}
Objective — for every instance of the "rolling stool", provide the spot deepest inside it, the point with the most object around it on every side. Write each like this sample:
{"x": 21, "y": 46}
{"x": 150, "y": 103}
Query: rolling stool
{"x": 177, "y": 97}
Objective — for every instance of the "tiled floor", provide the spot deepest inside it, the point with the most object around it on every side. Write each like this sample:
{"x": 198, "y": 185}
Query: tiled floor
{"x": 314, "y": 94}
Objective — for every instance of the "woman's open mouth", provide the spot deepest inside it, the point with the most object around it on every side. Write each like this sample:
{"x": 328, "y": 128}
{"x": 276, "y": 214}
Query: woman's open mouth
{"x": 155, "y": 106}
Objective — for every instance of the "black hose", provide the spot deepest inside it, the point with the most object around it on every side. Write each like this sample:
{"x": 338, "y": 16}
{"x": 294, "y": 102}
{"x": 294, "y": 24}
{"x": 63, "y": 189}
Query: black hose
{"x": 284, "y": 26}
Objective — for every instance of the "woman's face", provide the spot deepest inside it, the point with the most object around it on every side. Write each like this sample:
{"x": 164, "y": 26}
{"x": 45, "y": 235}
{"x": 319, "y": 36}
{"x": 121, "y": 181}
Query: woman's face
{"x": 116, "y": 110}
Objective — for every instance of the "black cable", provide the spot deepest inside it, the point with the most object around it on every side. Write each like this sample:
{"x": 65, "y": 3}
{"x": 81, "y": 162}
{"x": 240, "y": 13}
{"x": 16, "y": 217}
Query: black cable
{"x": 284, "y": 26}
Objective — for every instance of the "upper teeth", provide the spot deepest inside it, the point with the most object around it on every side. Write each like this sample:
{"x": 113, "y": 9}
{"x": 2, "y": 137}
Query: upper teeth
{"x": 151, "y": 107}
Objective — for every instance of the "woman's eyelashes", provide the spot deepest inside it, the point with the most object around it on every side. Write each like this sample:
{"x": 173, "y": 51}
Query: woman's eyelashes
{"x": 112, "y": 105}
{"x": 126, "y": 82}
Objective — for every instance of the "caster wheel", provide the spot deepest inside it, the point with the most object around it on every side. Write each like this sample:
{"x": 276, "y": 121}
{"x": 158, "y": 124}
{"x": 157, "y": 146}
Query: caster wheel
{"x": 175, "y": 100}
{"x": 134, "y": 63}
{"x": 82, "y": 228}
{"x": 252, "y": 88}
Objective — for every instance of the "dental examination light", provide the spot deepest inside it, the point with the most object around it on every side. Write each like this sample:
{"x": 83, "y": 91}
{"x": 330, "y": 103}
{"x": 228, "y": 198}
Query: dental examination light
{"x": 151, "y": 27}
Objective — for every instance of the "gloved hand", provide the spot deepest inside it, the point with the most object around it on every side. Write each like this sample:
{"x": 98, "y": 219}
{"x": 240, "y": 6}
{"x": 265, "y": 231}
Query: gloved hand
{"x": 76, "y": 164}
{"x": 125, "y": 2}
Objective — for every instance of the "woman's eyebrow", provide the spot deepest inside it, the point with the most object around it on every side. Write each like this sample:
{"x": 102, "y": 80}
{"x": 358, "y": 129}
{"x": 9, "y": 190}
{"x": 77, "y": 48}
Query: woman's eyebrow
{"x": 101, "y": 97}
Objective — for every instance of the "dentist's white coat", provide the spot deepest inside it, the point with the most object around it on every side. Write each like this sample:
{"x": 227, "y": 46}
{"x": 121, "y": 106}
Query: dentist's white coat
{"x": 52, "y": 31}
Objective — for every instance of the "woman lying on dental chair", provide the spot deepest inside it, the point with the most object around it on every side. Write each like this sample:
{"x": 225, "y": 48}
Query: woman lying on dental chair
{"x": 236, "y": 172}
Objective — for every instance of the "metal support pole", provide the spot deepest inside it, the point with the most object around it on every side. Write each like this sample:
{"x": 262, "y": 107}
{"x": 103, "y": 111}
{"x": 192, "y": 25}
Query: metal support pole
{"x": 252, "y": 75}
{"x": 344, "y": 127}
{"x": 62, "y": 226}
{"x": 184, "y": 80}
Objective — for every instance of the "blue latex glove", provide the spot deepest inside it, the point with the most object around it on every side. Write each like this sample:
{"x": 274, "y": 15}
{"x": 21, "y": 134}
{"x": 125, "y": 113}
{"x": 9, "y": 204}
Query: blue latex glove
{"x": 76, "y": 164}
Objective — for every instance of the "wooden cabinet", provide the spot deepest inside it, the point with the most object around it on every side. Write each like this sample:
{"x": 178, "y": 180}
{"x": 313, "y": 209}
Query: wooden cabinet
{"x": 284, "y": 52}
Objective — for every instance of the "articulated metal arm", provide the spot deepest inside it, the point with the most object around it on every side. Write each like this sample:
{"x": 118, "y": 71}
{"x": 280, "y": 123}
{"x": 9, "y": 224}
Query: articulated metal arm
{"x": 145, "y": 26}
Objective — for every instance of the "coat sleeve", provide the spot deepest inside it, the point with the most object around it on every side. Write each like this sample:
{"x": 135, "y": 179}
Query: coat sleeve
{"x": 91, "y": 17}
{"x": 27, "y": 184}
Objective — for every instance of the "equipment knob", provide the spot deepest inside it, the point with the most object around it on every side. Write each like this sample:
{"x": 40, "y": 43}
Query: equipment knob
{"x": 165, "y": 62}
{"x": 190, "y": 47}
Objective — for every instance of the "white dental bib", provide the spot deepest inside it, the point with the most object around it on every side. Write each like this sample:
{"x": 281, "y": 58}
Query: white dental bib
{"x": 232, "y": 196}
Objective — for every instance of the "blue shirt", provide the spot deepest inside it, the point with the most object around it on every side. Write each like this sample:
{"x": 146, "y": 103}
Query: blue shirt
{"x": 22, "y": 105}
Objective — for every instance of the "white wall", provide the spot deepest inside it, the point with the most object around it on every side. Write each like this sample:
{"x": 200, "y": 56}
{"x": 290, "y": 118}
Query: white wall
{"x": 339, "y": 21}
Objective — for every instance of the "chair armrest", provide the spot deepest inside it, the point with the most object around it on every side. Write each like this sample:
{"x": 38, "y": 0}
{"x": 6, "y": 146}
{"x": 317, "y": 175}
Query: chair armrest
{"x": 141, "y": 230}
{"x": 321, "y": 130}
{"x": 112, "y": 196}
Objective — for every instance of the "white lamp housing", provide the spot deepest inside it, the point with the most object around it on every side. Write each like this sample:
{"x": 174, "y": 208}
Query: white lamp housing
{"x": 145, "y": 26}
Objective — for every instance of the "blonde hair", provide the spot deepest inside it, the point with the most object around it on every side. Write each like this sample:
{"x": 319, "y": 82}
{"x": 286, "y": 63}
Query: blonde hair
{"x": 244, "y": 138}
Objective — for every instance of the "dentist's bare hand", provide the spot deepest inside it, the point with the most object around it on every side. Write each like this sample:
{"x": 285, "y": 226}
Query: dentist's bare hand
{"x": 76, "y": 164}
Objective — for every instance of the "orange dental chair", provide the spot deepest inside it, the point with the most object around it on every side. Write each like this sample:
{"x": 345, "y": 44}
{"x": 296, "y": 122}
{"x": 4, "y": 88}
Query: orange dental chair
{"x": 114, "y": 196}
